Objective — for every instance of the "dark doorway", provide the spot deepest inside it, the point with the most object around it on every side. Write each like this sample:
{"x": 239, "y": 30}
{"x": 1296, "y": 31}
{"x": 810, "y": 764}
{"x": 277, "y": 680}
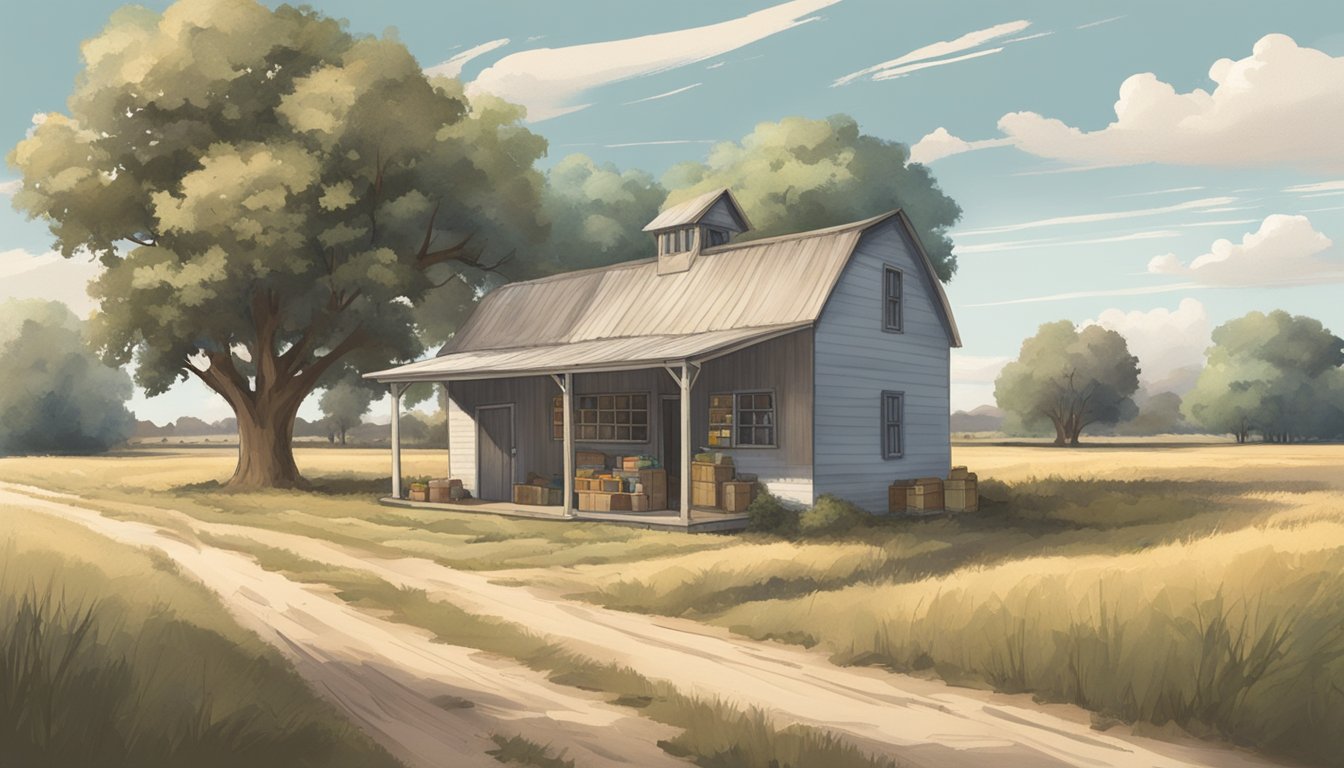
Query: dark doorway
{"x": 669, "y": 427}
{"x": 495, "y": 451}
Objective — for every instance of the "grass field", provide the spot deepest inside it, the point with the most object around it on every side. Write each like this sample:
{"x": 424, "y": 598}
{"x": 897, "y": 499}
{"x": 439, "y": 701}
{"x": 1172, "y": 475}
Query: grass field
{"x": 1173, "y": 586}
{"x": 112, "y": 659}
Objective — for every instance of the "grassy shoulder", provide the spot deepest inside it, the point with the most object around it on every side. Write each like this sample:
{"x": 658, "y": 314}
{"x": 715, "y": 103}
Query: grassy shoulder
{"x": 113, "y": 659}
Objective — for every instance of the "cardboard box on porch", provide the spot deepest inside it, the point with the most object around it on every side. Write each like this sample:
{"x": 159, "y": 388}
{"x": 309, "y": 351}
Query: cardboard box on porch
{"x": 590, "y": 459}
{"x": 703, "y": 472}
{"x": 961, "y": 495}
{"x": 652, "y": 482}
{"x": 418, "y": 493}
{"x": 705, "y": 494}
{"x": 598, "y": 501}
{"x": 525, "y": 493}
{"x": 640, "y": 502}
{"x": 441, "y": 491}
{"x": 737, "y": 495}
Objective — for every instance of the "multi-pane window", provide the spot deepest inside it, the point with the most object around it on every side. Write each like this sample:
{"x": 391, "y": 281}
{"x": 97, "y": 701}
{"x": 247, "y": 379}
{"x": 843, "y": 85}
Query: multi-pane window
{"x": 891, "y": 299}
{"x": 742, "y": 419}
{"x": 893, "y": 441}
{"x": 622, "y": 418}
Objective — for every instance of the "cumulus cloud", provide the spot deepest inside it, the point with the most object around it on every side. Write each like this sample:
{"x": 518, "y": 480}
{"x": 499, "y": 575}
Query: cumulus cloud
{"x": 938, "y": 144}
{"x": 1165, "y": 340}
{"x": 453, "y": 67}
{"x": 1280, "y": 106}
{"x": 1285, "y": 250}
{"x": 550, "y": 81}
{"x": 25, "y": 275}
{"x": 936, "y": 54}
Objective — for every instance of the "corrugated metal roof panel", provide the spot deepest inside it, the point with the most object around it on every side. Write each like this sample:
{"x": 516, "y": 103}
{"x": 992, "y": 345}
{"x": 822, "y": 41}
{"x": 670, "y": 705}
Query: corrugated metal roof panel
{"x": 598, "y": 354}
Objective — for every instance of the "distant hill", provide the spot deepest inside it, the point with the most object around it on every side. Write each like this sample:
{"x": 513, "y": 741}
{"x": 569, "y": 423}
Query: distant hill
{"x": 984, "y": 418}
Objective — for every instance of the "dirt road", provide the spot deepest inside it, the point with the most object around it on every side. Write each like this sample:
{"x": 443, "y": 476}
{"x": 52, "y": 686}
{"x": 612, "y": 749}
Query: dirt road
{"x": 920, "y": 722}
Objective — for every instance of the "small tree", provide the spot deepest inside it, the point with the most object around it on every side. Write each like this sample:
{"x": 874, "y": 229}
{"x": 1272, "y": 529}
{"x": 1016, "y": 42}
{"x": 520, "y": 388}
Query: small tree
{"x": 1071, "y": 379}
{"x": 344, "y": 405}
{"x": 56, "y": 396}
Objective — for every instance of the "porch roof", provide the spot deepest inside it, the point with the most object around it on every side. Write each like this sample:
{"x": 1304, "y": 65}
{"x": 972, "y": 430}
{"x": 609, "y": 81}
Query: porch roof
{"x": 628, "y": 353}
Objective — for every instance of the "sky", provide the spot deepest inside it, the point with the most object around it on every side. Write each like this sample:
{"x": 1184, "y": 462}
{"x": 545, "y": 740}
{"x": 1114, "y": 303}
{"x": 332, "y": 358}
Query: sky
{"x": 1157, "y": 168}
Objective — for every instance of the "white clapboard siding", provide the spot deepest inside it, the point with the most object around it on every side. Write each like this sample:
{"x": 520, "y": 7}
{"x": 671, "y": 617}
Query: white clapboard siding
{"x": 462, "y": 444}
{"x": 856, "y": 360}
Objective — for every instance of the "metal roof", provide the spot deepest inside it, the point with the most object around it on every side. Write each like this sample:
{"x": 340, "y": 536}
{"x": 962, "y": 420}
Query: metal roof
{"x": 585, "y": 356}
{"x": 690, "y": 211}
{"x": 628, "y": 313}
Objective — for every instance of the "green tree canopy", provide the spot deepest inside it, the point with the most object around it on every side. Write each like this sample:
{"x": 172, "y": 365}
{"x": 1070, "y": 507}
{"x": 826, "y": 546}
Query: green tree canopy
{"x": 271, "y": 196}
{"x": 1277, "y": 374}
{"x": 344, "y": 405}
{"x": 597, "y": 213}
{"x": 1071, "y": 379}
{"x": 799, "y": 174}
{"x": 56, "y": 396}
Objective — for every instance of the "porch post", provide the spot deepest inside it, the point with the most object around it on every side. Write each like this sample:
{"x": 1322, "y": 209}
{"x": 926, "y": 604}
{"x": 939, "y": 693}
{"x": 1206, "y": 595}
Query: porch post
{"x": 396, "y": 390}
{"x": 448, "y": 432}
{"x": 686, "y": 448}
{"x": 567, "y": 396}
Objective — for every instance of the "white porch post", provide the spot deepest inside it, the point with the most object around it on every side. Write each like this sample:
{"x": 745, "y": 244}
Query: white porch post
{"x": 686, "y": 448}
{"x": 396, "y": 390}
{"x": 568, "y": 428}
{"x": 448, "y": 430}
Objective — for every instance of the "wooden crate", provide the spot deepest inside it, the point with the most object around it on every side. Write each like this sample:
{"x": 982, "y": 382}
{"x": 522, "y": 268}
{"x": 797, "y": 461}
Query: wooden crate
{"x": 441, "y": 491}
{"x": 537, "y": 495}
{"x": 961, "y": 496}
{"x": 702, "y": 472}
{"x": 705, "y": 494}
{"x": 655, "y": 486}
{"x": 418, "y": 494}
{"x": 898, "y": 497}
{"x": 590, "y": 459}
{"x": 925, "y": 495}
{"x": 639, "y": 502}
{"x": 737, "y": 495}
{"x": 610, "y": 486}
{"x": 599, "y": 501}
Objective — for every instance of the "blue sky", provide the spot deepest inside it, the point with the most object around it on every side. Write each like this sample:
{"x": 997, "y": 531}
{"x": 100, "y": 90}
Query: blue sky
{"x": 1219, "y": 191}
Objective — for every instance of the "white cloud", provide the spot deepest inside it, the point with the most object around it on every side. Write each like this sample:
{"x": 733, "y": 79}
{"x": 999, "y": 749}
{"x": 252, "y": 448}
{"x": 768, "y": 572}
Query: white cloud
{"x": 1160, "y": 192}
{"x": 938, "y": 144}
{"x": 927, "y": 54}
{"x": 1280, "y": 106}
{"x": 1019, "y": 245}
{"x": 1320, "y": 186}
{"x": 1142, "y": 291}
{"x": 659, "y": 143}
{"x": 453, "y": 67}
{"x": 8, "y": 188}
{"x": 1286, "y": 250}
{"x": 1098, "y": 23}
{"x": 1217, "y": 223}
{"x": 976, "y": 369}
{"x": 672, "y": 92}
{"x": 1205, "y": 204}
{"x": 25, "y": 275}
{"x": 549, "y": 81}
{"x": 1164, "y": 340}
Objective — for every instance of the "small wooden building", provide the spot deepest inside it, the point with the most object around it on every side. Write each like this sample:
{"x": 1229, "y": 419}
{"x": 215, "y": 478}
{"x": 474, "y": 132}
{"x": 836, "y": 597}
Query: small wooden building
{"x": 817, "y": 361}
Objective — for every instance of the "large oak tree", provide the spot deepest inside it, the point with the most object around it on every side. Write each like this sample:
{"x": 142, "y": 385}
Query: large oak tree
{"x": 272, "y": 198}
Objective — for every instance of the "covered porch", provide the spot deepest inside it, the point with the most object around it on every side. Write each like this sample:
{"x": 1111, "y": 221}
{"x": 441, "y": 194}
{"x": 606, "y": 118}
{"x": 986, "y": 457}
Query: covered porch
{"x": 514, "y": 413}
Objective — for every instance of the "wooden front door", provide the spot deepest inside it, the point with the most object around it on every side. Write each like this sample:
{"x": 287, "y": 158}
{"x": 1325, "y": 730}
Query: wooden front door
{"x": 495, "y": 452}
{"x": 669, "y": 429}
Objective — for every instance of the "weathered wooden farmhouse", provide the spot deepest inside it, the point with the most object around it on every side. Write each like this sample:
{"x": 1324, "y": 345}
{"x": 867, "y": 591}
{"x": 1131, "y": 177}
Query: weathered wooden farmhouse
{"x": 816, "y": 361}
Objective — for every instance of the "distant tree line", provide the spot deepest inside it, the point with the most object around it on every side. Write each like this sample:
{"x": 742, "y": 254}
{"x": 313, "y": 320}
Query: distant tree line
{"x": 1276, "y": 376}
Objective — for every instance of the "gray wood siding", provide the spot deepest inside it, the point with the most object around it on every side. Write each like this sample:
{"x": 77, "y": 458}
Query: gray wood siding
{"x": 856, "y": 361}
{"x": 783, "y": 365}
{"x": 721, "y": 215}
{"x": 530, "y": 397}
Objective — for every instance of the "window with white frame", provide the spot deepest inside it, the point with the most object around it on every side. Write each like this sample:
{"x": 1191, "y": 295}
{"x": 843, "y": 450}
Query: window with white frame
{"x": 893, "y": 418}
{"x": 892, "y": 300}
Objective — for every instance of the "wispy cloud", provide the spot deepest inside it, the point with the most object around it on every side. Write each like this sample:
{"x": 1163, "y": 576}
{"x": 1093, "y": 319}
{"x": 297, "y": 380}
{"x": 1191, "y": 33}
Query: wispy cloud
{"x": 1160, "y": 192}
{"x": 936, "y": 51}
{"x": 1320, "y": 186}
{"x": 1143, "y": 291}
{"x": 673, "y": 92}
{"x": 551, "y": 81}
{"x": 659, "y": 143}
{"x": 1217, "y": 223}
{"x": 1021, "y": 245}
{"x": 1092, "y": 218}
{"x": 453, "y": 67}
{"x": 1099, "y": 22}
{"x": 716, "y": 65}
{"x": 8, "y": 188}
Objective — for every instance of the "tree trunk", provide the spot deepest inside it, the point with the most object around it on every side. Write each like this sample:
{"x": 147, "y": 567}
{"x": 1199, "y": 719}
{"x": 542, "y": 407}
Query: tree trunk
{"x": 342, "y": 435}
{"x": 265, "y": 448}
{"x": 1060, "y": 437}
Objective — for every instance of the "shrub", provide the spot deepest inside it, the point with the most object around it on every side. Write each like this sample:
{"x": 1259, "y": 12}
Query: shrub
{"x": 767, "y": 514}
{"x": 830, "y": 515}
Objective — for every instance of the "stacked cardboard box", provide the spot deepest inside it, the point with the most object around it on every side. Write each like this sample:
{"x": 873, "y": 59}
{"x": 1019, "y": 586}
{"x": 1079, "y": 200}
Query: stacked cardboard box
{"x": 443, "y": 491}
{"x": 707, "y": 479}
{"x": 737, "y": 495}
{"x": 960, "y": 491}
{"x": 540, "y": 495}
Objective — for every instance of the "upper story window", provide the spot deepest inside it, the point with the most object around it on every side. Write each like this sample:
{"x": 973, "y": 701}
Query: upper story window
{"x": 893, "y": 429}
{"x": 892, "y": 301}
{"x": 676, "y": 241}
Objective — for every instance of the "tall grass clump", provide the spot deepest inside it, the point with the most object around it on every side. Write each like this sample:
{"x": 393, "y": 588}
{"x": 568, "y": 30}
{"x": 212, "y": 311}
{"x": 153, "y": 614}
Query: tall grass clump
{"x": 93, "y": 675}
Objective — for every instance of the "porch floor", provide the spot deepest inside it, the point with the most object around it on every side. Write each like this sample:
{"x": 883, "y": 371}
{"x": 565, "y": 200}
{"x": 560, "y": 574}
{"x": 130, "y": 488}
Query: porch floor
{"x": 702, "y": 520}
